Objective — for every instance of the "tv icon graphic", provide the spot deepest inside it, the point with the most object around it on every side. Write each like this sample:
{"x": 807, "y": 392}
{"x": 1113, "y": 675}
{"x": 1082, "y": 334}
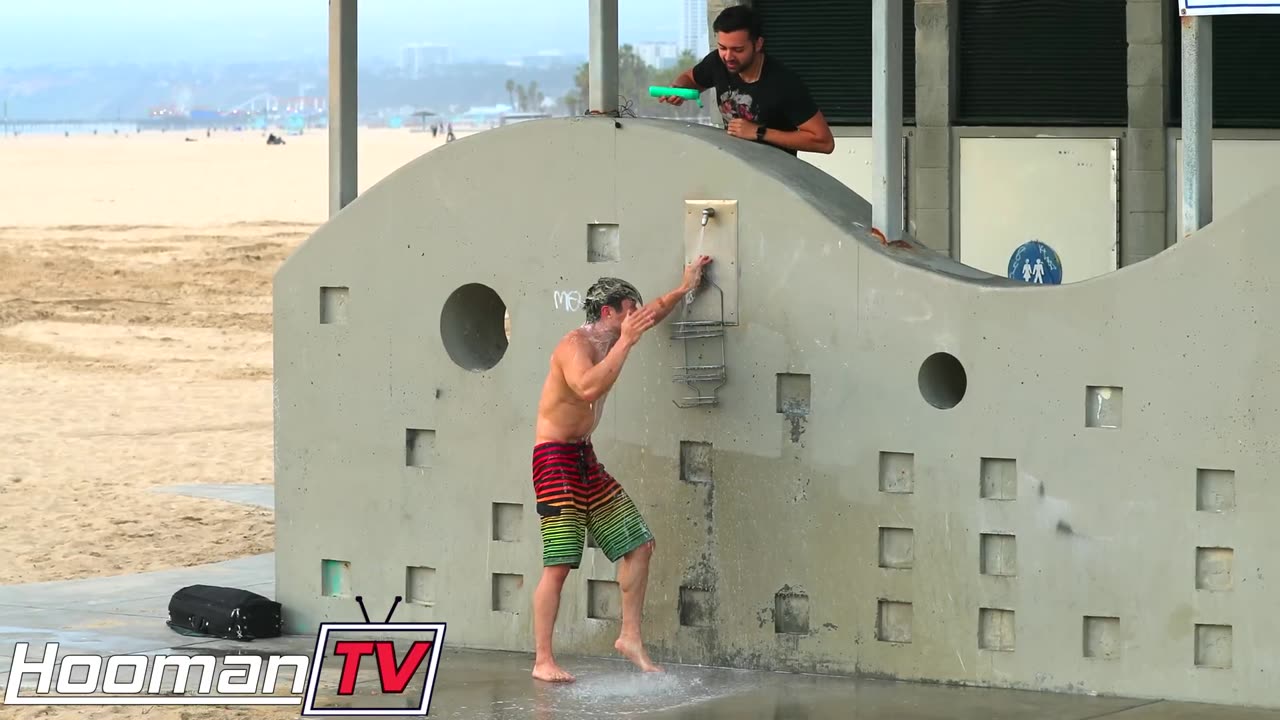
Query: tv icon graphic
{"x": 396, "y": 653}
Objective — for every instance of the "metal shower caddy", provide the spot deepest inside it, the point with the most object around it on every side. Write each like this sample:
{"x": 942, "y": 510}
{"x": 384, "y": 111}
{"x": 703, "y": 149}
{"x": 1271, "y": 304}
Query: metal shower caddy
{"x": 707, "y": 334}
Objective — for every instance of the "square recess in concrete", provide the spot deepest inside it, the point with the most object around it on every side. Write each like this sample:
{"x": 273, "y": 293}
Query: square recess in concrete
{"x": 998, "y": 479}
{"x": 893, "y": 621}
{"x": 695, "y": 461}
{"x": 795, "y": 394}
{"x": 1213, "y": 568}
{"x": 419, "y": 447}
{"x": 791, "y": 613}
{"x": 604, "y": 600}
{"x": 1213, "y": 646}
{"x": 998, "y": 554}
{"x": 1103, "y": 407}
{"x": 335, "y": 578}
{"x": 1102, "y": 637}
{"x": 1215, "y": 490}
{"x": 695, "y": 607}
{"x": 508, "y": 521}
{"x": 333, "y": 305}
{"x": 507, "y": 592}
{"x": 604, "y": 243}
{"x": 897, "y": 548}
{"x": 995, "y": 629}
{"x": 897, "y": 472}
{"x": 420, "y": 585}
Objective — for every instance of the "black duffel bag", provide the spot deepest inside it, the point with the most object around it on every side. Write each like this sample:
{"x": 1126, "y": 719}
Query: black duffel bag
{"x": 222, "y": 612}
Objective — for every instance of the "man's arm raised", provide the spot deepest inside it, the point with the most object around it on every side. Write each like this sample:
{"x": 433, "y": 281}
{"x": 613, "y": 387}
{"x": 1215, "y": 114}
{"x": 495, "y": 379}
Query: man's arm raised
{"x": 692, "y": 279}
{"x": 590, "y": 381}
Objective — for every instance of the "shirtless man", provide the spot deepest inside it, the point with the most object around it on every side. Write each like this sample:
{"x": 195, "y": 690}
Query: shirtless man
{"x": 574, "y": 492}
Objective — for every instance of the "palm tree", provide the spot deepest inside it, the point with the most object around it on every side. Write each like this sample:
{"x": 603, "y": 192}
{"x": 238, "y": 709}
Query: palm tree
{"x": 634, "y": 78}
{"x": 535, "y": 97}
{"x": 570, "y": 102}
{"x": 511, "y": 91}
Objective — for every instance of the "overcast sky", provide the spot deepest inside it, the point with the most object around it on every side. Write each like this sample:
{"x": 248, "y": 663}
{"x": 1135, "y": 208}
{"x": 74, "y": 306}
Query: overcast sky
{"x": 79, "y": 31}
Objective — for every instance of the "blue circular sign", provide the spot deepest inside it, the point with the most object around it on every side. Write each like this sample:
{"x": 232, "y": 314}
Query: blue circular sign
{"x": 1036, "y": 263}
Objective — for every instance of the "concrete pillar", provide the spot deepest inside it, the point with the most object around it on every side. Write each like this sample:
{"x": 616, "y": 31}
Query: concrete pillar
{"x": 886, "y": 117}
{"x": 1197, "y": 123}
{"x": 343, "y": 117}
{"x": 1143, "y": 162}
{"x": 930, "y": 176}
{"x": 602, "y": 78}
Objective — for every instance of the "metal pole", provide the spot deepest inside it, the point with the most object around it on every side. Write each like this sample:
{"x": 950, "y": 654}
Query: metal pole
{"x": 342, "y": 104}
{"x": 602, "y": 74}
{"x": 1197, "y": 122}
{"x": 886, "y": 117}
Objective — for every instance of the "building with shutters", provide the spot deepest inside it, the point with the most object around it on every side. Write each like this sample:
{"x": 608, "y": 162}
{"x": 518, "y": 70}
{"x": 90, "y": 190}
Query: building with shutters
{"x": 1039, "y": 119}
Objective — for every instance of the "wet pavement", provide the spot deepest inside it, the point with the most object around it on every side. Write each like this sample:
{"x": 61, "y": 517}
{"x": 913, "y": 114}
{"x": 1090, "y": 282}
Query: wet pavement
{"x": 259, "y": 495}
{"x": 496, "y": 686}
{"x": 125, "y": 614}
{"x": 490, "y": 685}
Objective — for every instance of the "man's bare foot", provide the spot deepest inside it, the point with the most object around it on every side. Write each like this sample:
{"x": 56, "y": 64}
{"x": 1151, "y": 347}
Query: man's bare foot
{"x": 633, "y": 650}
{"x": 550, "y": 672}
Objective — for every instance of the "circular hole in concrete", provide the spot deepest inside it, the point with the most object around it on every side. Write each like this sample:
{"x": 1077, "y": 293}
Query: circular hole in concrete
{"x": 942, "y": 380}
{"x": 473, "y": 327}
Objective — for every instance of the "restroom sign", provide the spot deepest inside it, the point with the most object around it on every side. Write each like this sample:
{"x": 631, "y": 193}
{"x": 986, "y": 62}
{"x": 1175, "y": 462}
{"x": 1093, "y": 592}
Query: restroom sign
{"x": 1035, "y": 263}
{"x": 1228, "y": 7}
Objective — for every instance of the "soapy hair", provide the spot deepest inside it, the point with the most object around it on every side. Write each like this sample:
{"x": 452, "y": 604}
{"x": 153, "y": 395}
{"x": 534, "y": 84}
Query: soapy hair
{"x": 611, "y": 292}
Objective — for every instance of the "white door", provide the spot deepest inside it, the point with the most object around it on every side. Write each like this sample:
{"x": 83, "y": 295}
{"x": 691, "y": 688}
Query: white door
{"x": 1063, "y": 192}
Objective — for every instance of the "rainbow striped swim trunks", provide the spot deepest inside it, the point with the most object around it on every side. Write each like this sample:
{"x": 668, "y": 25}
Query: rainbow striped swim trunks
{"x": 576, "y": 495}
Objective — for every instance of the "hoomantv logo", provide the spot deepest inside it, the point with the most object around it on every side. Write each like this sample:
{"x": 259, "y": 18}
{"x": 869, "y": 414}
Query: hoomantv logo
{"x": 397, "y": 664}
{"x": 402, "y": 657}
{"x": 141, "y": 680}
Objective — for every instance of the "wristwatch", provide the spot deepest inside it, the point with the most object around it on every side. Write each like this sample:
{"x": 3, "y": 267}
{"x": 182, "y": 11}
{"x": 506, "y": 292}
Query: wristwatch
{"x": 760, "y": 133}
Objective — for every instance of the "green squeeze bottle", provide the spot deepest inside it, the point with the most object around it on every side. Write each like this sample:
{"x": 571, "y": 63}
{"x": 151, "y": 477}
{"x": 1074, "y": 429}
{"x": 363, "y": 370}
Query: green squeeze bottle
{"x": 686, "y": 93}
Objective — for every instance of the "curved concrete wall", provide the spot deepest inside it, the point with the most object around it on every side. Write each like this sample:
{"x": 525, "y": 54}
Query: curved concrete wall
{"x": 1074, "y": 522}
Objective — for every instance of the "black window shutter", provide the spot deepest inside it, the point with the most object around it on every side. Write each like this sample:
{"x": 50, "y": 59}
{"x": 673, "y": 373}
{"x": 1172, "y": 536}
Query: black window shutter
{"x": 1246, "y": 69}
{"x": 828, "y": 43}
{"x": 1042, "y": 62}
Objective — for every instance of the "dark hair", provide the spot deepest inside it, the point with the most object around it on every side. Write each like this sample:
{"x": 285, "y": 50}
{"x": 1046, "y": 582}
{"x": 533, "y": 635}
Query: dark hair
{"x": 738, "y": 17}
{"x": 608, "y": 291}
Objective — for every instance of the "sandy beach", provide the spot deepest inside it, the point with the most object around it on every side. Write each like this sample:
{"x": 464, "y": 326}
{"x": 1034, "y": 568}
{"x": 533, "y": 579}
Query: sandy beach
{"x": 135, "y": 338}
{"x": 135, "y": 347}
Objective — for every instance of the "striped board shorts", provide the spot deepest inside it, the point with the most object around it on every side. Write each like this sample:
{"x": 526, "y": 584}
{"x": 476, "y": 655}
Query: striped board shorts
{"x": 575, "y": 495}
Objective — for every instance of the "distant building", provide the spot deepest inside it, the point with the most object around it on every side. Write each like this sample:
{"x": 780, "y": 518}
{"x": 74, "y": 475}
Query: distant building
{"x": 416, "y": 59}
{"x": 661, "y": 55}
{"x": 694, "y": 36}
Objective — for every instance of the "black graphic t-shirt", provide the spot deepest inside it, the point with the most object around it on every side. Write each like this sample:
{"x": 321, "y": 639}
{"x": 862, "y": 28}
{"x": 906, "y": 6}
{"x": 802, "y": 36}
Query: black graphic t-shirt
{"x": 779, "y": 99}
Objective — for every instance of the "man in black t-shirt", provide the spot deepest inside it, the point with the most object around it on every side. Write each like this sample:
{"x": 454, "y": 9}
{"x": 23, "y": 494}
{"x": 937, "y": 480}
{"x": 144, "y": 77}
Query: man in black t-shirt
{"x": 759, "y": 99}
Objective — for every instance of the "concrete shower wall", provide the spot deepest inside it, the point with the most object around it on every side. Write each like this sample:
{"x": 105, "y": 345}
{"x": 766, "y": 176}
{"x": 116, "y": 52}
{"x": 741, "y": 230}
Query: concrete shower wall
{"x": 975, "y": 481}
